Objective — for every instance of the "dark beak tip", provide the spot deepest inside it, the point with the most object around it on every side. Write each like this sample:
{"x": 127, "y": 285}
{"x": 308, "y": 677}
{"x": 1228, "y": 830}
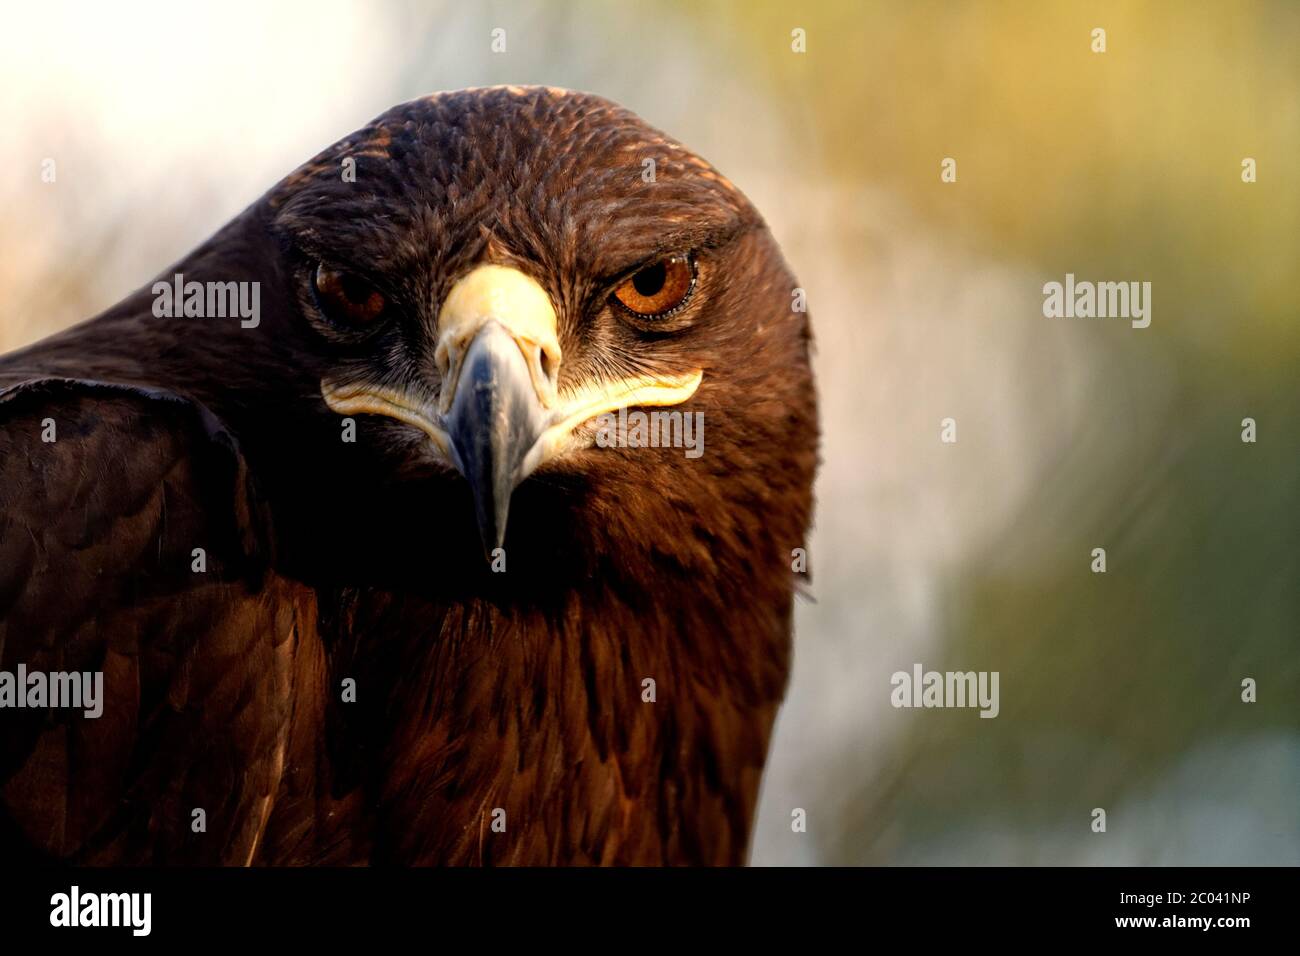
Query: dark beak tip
{"x": 493, "y": 537}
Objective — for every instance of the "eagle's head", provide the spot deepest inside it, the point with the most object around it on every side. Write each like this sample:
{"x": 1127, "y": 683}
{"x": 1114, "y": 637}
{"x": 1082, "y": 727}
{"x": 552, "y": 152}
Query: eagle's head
{"x": 512, "y": 292}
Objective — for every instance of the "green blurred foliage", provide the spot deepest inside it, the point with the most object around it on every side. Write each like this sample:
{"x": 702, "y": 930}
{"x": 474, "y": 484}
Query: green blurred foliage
{"x": 1118, "y": 163}
{"x": 1122, "y": 165}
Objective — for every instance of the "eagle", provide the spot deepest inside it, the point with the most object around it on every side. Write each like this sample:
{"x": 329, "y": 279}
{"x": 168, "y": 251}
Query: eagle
{"x": 353, "y": 514}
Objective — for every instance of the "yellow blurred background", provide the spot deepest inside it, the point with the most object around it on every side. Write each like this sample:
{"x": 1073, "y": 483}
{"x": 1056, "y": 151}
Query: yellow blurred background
{"x": 1118, "y": 690}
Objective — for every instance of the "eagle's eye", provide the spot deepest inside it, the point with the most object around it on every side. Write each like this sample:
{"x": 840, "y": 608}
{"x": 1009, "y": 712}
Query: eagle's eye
{"x": 346, "y": 298}
{"x": 660, "y": 289}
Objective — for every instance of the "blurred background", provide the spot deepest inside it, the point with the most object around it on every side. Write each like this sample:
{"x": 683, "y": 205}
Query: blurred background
{"x": 1119, "y": 690}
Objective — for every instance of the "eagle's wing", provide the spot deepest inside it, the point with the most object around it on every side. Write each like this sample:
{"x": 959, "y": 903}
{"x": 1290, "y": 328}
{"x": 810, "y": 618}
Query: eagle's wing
{"x": 106, "y": 495}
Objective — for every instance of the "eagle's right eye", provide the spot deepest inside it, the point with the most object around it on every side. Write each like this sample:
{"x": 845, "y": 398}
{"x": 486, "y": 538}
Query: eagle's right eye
{"x": 658, "y": 290}
{"x": 345, "y": 298}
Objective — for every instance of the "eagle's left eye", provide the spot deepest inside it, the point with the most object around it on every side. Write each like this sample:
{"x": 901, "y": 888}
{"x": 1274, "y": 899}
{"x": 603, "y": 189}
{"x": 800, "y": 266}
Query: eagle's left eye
{"x": 346, "y": 298}
{"x": 659, "y": 289}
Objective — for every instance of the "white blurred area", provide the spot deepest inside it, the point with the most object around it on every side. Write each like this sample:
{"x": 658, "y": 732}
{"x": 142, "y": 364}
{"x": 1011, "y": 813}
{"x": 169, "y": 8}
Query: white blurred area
{"x": 165, "y": 120}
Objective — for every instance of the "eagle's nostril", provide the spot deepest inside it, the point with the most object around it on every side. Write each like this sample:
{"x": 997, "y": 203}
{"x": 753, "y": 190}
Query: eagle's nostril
{"x": 550, "y": 367}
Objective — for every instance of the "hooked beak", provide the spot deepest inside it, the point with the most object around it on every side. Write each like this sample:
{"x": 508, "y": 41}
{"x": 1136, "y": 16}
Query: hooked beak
{"x": 495, "y": 420}
{"x": 499, "y": 414}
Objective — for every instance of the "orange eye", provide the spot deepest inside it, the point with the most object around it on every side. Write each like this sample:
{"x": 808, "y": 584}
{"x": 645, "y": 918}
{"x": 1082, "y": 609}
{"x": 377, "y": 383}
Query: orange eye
{"x": 345, "y": 298}
{"x": 659, "y": 289}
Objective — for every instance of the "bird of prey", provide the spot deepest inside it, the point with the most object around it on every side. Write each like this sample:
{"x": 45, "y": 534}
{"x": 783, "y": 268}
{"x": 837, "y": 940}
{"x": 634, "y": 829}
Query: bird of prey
{"x": 361, "y": 578}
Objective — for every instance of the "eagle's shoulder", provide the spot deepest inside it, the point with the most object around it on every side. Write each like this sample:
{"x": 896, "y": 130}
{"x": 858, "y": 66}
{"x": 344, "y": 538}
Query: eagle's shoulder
{"x": 133, "y": 546}
{"x": 121, "y": 480}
